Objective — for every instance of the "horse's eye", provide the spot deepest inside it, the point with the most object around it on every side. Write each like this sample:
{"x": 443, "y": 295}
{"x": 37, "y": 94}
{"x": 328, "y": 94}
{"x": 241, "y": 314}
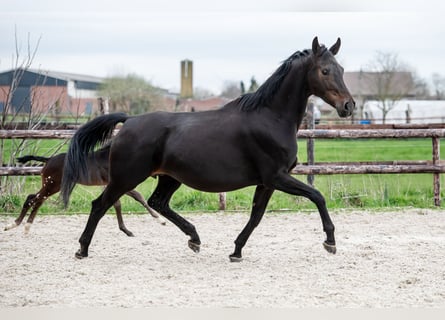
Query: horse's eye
{"x": 325, "y": 71}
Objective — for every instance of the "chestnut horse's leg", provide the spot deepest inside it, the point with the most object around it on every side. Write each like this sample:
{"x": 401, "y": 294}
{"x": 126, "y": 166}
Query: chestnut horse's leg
{"x": 38, "y": 200}
{"x": 159, "y": 201}
{"x": 35, "y": 201}
{"x": 28, "y": 204}
{"x": 260, "y": 201}
{"x": 284, "y": 182}
{"x": 138, "y": 197}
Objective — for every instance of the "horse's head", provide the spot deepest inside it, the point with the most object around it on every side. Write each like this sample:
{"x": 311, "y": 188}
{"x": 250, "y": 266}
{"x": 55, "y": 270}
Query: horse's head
{"x": 325, "y": 79}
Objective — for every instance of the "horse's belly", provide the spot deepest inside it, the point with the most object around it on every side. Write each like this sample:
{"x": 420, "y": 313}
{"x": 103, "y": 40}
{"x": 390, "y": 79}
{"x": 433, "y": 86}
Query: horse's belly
{"x": 216, "y": 180}
{"x": 207, "y": 165}
{"x": 215, "y": 185}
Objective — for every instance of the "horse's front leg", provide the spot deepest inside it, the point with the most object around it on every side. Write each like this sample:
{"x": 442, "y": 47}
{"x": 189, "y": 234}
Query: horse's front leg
{"x": 284, "y": 182}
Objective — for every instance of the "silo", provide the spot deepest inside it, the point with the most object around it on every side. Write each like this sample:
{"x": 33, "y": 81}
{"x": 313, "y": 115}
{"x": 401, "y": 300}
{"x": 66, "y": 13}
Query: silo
{"x": 186, "y": 79}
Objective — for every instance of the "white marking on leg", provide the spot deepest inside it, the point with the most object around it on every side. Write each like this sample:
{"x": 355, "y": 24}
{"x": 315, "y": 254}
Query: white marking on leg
{"x": 11, "y": 226}
{"x": 27, "y": 227}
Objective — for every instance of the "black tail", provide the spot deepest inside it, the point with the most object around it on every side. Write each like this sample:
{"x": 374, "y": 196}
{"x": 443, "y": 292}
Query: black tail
{"x": 26, "y": 159}
{"x": 96, "y": 131}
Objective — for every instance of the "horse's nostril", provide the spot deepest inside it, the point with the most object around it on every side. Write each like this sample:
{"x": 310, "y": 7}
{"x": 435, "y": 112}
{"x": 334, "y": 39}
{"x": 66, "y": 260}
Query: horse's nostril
{"x": 349, "y": 106}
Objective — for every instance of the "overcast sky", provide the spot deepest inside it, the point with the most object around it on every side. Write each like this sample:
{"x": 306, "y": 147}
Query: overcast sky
{"x": 231, "y": 40}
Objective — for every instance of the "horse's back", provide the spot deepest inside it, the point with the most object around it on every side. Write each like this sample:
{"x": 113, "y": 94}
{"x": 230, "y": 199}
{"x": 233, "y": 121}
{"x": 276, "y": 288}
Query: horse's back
{"x": 202, "y": 149}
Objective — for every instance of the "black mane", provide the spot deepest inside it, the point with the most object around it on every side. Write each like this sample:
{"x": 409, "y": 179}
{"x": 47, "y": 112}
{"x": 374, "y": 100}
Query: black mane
{"x": 265, "y": 93}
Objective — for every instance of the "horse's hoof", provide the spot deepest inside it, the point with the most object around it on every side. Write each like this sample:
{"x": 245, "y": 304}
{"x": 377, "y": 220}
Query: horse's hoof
{"x": 80, "y": 255}
{"x": 126, "y": 231}
{"x": 235, "y": 259}
{"x": 194, "y": 246}
{"x": 329, "y": 247}
{"x": 11, "y": 226}
{"x": 129, "y": 233}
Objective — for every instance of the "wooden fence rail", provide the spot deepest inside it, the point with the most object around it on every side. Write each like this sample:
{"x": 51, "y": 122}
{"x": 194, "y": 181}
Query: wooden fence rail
{"x": 316, "y": 133}
{"x": 434, "y": 166}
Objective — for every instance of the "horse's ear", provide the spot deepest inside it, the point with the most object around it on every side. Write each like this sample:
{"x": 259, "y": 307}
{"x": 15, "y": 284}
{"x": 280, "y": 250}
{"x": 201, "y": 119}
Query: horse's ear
{"x": 315, "y": 46}
{"x": 334, "y": 49}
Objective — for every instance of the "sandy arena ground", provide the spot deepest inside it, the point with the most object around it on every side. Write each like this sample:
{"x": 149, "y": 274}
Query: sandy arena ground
{"x": 391, "y": 259}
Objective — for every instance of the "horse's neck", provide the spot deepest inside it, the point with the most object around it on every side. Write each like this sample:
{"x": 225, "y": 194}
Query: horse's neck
{"x": 291, "y": 99}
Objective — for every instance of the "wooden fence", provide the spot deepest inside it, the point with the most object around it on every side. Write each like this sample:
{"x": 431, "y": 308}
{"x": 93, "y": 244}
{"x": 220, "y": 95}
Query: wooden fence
{"x": 434, "y": 166}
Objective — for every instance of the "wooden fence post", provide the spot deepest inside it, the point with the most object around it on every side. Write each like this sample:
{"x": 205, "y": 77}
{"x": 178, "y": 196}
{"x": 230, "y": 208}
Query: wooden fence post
{"x": 310, "y": 141}
{"x": 222, "y": 201}
{"x": 436, "y": 176}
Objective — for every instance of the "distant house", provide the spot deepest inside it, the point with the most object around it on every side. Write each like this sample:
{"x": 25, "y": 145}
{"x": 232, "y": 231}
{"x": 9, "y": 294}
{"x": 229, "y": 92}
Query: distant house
{"x": 367, "y": 86}
{"x": 408, "y": 111}
{"x": 192, "y": 105}
{"x": 370, "y": 85}
{"x": 63, "y": 93}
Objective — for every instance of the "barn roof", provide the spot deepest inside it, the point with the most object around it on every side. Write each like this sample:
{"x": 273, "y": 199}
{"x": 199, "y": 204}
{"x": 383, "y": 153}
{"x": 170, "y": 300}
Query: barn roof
{"x": 65, "y": 76}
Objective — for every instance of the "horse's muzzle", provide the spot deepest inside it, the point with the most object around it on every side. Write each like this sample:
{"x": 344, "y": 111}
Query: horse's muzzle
{"x": 346, "y": 109}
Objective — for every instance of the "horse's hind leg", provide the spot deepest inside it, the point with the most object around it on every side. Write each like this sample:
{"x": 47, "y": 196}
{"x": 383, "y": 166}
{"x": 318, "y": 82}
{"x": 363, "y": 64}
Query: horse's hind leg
{"x": 28, "y": 204}
{"x": 117, "y": 206}
{"x": 260, "y": 201}
{"x": 159, "y": 201}
{"x": 138, "y": 197}
{"x": 50, "y": 187}
{"x": 37, "y": 202}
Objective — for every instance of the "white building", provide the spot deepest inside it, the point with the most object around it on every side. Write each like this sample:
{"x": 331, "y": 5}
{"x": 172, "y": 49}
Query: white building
{"x": 407, "y": 111}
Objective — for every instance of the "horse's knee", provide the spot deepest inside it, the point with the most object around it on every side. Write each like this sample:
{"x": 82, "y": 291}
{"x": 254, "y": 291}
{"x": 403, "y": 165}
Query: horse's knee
{"x": 97, "y": 208}
{"x": 317, "y": 198}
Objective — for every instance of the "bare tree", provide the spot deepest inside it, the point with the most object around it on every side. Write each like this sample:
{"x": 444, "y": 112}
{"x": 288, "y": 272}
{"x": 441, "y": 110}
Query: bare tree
{"x": 20, "y": 65}
{"x": 25, "y": 112}
{"x": 390, "y": 79}
{"x": 439, "y": 86}
{"x": 231, "y": 90}
{"x": 421, "y": 88}
{"x": 253, "y": 85}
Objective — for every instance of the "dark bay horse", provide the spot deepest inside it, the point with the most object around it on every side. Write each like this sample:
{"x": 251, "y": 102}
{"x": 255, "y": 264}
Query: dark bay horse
{"x": 52, "y": 171}
{"x": 249, "y": 141}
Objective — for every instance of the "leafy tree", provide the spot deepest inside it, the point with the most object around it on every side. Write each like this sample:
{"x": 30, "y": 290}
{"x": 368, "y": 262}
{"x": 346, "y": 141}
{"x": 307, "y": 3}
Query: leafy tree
{"x": 131, "y": 94}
